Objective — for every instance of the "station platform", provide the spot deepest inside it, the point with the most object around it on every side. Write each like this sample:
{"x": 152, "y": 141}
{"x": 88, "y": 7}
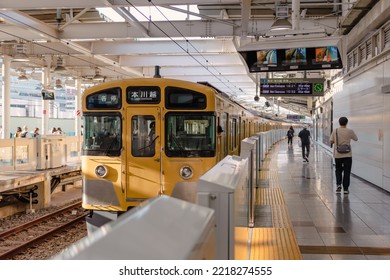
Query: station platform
{"x": 51, "y": 185}
{"x": 329, "y": 225}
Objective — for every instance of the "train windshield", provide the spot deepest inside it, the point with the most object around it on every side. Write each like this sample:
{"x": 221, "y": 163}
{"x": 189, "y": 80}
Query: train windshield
{"x": 190, "y": 134}
{"x": 102, "y": 134}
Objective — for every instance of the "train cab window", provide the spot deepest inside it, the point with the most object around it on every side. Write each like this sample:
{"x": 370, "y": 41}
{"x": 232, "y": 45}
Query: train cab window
{"x": 180, "y": 98}
{"x": 102, "y": 134}
{"x": 143, "y": 136}
{"x": 190, "y": 134}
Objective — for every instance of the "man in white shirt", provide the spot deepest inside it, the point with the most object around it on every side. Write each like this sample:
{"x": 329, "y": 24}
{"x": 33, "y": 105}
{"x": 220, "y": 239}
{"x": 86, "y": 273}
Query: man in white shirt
{"x": 343, "y": 160}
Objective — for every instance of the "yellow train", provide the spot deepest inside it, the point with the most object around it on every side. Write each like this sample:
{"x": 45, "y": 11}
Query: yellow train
{"x": 142, "y": 136}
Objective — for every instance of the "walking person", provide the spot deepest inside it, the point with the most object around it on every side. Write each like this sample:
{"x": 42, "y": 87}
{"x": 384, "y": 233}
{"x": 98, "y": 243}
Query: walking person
{"x": 342, "y": 136}
{"x": 290, "y": 135}
{"x": 304, "y": 135}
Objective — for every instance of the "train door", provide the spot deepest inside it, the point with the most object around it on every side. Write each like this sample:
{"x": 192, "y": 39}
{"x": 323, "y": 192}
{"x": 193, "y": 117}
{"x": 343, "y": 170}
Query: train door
{"x": 143, "y": 153}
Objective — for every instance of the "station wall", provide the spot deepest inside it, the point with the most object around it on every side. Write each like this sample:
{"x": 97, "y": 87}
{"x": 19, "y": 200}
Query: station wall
{"x": 360, "y": 98}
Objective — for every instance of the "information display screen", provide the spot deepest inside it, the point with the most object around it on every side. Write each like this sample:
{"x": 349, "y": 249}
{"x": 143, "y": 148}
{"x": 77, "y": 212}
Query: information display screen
{"x": 297, "y": 87}
{"x": 105, "y": 99}
{"x": 293, "y": 59}
{"x": 143, "y": 95}
{"x": 283, "y": 89}
{"x": 47, "y": 95}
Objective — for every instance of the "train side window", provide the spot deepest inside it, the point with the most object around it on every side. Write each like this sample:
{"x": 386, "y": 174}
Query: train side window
{"x": 190, "y": 134}
{"x": 143, "y": 136}
{"x": 233, "y": 134}
{"x": 181, "y": 98}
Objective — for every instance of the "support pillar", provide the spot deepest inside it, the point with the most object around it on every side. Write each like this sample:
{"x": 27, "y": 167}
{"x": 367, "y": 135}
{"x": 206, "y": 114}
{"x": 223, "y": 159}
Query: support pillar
{"x": 78, "y": 108}
{"x": 295, "y": 15}
{"x": 45, "y": 103}
{"x": 6, "y": 98}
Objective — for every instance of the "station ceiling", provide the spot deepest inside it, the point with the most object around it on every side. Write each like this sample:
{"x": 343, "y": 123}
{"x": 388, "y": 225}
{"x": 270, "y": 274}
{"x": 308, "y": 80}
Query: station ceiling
{"x": 196, "y": 41}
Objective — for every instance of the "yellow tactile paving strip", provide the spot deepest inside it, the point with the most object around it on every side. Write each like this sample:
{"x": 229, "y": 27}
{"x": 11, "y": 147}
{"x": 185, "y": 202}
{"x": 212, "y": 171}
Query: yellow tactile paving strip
{"x": 278, "y": 242}
{"x": 266, "y": 175}
{"x": 274, "y": 244}
{"x": 241, "y": 248}
{"x": 269, "y": 196}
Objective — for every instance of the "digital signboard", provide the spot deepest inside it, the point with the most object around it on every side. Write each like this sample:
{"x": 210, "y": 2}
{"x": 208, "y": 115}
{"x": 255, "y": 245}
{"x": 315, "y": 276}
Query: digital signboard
{"x": 292, "y": 87}
{"x": 266, "y": 58}
{"x": 105, "y": 99}
{"x": 47, "y": 94}
{"x": 292, "y": 59}
{"x": 143, "y": 95}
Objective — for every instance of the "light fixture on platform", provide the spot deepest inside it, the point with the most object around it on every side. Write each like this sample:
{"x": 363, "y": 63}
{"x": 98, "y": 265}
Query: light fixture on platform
{"x": 98, "y": 76}
{"x": 20, "y": 55}
{"x": 60, "y": 68}
{"x": 281, "y": 22}
{"x": 59, "y": 84}
{"x": 22, "y": 75}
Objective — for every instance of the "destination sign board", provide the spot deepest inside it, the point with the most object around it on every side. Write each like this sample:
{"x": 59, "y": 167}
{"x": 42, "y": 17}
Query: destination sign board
{"x": 143, "y": 95}
{"x": 105, "y": 99}
{"x": 292, "y": 87}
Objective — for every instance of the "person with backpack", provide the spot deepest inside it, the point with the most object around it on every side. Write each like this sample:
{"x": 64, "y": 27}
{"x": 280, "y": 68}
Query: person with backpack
{"x": 290, "y": 135}
{"x": 304, "y": 135}
{"x": 342, "y": 136}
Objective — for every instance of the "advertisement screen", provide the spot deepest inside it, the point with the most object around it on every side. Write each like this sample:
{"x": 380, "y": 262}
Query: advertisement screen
{"x": 326, "y": 55}
{"x": 267, "y": 57}
{"x": 295, "y": 56}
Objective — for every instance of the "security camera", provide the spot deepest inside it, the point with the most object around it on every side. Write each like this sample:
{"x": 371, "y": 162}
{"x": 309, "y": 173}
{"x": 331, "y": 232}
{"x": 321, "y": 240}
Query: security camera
{"x": 257, "y": 98}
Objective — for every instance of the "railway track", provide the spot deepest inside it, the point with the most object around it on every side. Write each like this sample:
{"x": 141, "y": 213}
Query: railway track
{"x": 14, "y": 241}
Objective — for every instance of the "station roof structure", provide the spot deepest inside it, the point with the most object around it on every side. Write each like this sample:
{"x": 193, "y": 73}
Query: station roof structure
{"x": 98, "y": 40}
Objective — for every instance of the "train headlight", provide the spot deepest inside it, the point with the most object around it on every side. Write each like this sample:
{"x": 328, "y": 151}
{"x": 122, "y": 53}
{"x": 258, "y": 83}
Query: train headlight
{"x": 101, "y": 171}
{"x": 186, "y": 172}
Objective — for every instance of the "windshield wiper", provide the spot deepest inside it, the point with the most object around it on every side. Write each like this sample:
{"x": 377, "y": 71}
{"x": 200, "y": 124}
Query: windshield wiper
{"x": 151, "y": 143}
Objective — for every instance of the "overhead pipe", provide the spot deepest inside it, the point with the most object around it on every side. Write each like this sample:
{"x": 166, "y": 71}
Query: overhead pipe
{"x": 245, "y": 16}
{"x": 296, "y": 14}
{"x": 58, "y": 17}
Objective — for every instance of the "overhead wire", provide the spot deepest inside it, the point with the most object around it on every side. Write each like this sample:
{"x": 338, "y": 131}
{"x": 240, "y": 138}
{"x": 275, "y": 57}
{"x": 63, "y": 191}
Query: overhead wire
{"x": 181, "y": 47}
{"x": 53, "y": 49}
